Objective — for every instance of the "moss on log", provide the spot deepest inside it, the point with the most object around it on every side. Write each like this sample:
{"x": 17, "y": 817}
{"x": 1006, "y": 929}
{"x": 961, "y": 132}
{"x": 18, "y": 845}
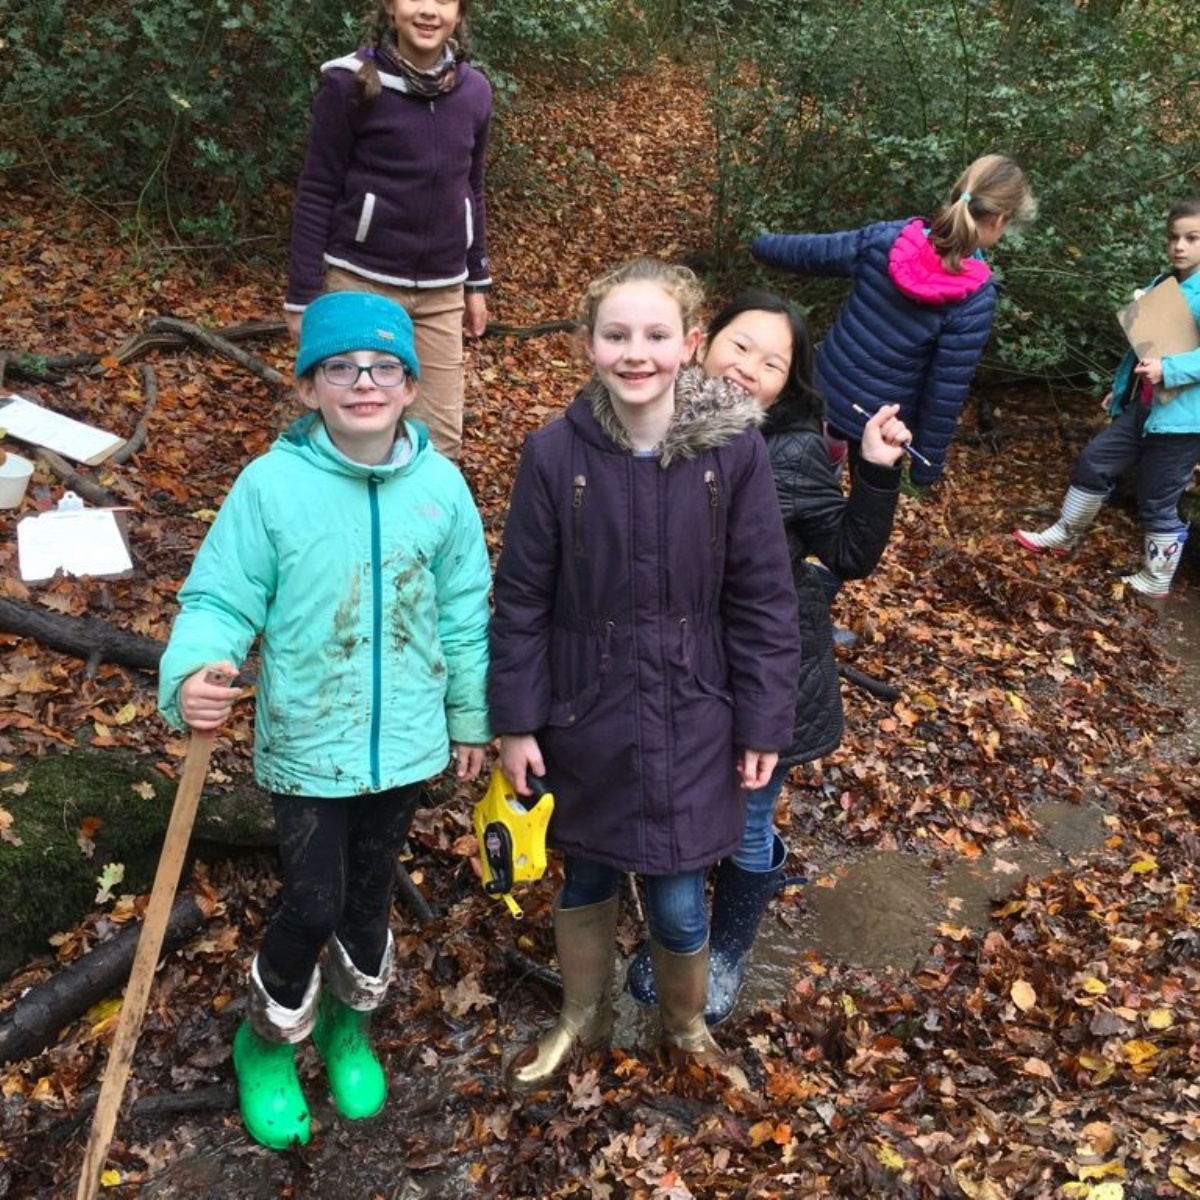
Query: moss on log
{"x": 49, "y": 881}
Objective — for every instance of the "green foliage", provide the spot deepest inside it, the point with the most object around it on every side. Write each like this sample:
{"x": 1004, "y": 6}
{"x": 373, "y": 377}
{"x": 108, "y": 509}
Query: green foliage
{"x": 830, "y": 115}
{"x": 589, "y": 39}
{"x": 184, "y": 110}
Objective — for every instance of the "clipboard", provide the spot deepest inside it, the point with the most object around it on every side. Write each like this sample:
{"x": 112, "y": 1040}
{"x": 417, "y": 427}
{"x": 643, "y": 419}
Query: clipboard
{"x": 1159, "y": 322}
{"x": 31, "y": 422}
{"x": 74, "y": 540}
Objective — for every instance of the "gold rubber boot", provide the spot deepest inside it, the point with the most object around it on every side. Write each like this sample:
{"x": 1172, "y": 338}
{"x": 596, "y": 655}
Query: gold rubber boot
{"x": 681, "y": 981}
{"x": 586, "y": 941}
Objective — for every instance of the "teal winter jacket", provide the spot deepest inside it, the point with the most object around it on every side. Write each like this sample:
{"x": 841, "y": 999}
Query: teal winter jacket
{"x": 369, "y": 589}
{"x": 1181, "y": 414}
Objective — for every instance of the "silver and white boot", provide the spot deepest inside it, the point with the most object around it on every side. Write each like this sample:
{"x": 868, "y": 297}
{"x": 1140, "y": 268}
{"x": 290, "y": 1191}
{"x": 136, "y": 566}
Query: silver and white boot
{"x": 1161, "y": 558}
{"x": 1079, "y": 509}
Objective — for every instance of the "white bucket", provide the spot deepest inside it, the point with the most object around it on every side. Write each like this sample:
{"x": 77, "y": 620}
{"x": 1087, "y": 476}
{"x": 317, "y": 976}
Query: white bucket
{"x": 14, "y": 479}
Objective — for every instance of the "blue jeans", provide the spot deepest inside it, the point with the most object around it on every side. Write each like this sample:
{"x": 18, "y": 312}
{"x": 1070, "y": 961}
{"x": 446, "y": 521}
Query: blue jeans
{"x": 1164, "y": 466}
{"x": 758, "y": 839}
{"x": 675, "y": 906}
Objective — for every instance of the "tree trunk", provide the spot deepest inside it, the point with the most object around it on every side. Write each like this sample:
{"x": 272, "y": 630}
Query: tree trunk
{"x": 87, "y": 637}
{"x": 34, "y": 1021}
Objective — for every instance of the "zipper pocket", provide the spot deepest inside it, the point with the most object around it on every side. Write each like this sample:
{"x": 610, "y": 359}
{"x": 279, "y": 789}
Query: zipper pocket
{"x": 714, "y": 503}
{"x": 366, "y": 213}
{"x": 579, "y": 483}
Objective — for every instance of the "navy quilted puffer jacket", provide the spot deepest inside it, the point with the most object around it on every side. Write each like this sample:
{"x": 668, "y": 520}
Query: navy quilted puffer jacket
{"x": 910, "y": 332}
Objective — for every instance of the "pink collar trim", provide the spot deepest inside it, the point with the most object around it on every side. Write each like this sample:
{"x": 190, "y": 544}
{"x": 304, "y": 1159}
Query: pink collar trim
{"x": 917, "y": 271}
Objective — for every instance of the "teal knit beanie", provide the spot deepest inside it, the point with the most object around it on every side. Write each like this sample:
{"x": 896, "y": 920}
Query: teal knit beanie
{"x": 342, "y": 322}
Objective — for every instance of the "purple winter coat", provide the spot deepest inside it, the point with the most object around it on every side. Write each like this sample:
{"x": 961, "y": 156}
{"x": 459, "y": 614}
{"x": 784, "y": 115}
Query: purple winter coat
{"x": 393, "y": 189}
{"x": 645, "y": 626}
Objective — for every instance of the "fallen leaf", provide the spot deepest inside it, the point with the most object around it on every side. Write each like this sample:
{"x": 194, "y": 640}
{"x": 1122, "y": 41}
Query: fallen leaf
{"x": 1023, "y": 995}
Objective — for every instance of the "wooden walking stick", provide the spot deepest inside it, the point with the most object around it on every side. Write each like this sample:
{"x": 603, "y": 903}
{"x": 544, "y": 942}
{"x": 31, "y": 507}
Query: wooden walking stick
{"x": 141, "y": 975}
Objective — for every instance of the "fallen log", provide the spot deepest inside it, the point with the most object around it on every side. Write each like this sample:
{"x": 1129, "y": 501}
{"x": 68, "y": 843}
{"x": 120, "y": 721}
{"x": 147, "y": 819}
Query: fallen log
{"x": 525, "y": 968}
{"x": 221, "y": 345}
{"x": 527, "y": 331}
{"x": 89, "y": 638}
{"x": 44, "y": 369}
{"x": 34, "y": 1021}
{"x": 166, "y": 339}
{"x": 80, "y": 484}
{"x": 218, "y": 1098}
{"x": 137, "y": 439}
{"x": 412, "y": 898}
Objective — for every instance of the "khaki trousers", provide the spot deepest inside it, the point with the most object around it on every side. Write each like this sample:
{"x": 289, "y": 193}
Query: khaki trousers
{"x": 437, "y": 317}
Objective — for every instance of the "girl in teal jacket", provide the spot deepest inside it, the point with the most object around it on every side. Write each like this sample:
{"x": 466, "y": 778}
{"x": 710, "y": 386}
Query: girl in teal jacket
{"x": 354, "y": 552}
{"x": 1155, "y": 410}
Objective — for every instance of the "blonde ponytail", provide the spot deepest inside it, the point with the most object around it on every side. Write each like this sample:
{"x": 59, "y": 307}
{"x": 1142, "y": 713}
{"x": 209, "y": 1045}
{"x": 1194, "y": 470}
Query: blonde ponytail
{"x": 991, "y": 186}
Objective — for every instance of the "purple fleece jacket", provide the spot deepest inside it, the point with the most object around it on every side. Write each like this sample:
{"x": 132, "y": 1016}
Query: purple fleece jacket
{"x": 392, "y": 190}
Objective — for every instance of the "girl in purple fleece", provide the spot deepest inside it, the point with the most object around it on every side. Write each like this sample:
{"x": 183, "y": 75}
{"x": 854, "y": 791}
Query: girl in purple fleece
{"x": 391, "y": 196}
{"x": 916, "y": 324}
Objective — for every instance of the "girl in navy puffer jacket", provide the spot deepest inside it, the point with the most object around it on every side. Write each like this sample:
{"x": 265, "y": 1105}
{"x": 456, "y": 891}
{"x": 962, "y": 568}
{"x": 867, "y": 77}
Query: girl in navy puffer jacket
{"x": 916, "y": 323}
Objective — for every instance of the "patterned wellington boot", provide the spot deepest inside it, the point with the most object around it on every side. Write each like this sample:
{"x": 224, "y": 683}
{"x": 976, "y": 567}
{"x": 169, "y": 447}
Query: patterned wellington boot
{"x": 356, "y": 1076}
{"x": 1079, "y": 509}
{"x": 1161, "y": 558}
{"x": 739, "y": 900}
{"x": 272, "y": 1103}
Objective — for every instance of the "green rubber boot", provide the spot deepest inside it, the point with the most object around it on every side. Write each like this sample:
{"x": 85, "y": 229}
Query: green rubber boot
{"x": 264, "y": 1058}
{"x": 356, "y": 1077}
{"x": 273, "y": 1107}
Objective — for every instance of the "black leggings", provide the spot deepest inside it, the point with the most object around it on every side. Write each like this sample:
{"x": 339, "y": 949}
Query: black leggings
{"x": 339, "y": 870}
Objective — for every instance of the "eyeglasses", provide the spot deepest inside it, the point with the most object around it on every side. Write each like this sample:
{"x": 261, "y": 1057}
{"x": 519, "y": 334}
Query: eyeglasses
{"x": 343, "y": 373}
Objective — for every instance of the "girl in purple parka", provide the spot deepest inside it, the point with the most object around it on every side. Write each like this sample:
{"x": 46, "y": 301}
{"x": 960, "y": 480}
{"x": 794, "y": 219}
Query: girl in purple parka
{"x": 644, "y": 647}
{"x": 391, "y": 196}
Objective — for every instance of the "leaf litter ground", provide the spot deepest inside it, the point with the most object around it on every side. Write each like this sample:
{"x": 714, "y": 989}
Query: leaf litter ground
{"x": 1046, "y": 1048}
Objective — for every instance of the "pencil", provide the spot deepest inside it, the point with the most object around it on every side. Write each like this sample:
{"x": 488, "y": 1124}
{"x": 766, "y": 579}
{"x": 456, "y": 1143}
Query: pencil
{"x": 862, "y": 412}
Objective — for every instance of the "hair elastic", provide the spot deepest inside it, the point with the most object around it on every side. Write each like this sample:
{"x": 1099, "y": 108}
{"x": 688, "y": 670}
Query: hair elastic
{"x": 965, "y": 197}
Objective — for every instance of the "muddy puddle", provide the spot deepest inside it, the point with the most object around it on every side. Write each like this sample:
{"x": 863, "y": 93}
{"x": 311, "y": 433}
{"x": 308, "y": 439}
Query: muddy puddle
{"x": 882, "y": 911}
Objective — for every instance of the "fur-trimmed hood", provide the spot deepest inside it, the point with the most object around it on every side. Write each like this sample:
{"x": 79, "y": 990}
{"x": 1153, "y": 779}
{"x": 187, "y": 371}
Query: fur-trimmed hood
{"x": 709, "y": 413}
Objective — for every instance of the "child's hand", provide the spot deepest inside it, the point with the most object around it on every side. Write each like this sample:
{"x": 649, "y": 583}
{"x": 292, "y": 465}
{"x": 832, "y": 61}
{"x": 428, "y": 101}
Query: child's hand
{"x": 1151, "y": 369}
{"x": 292, "y": 321}
{"x": 475, "y": 314}
{"x": 468, "y": 760}
{"x": 520, "y": 755}
{"x": 756, "y": 767}
{"x": 206, "y": 698}
{"x": 885, "y": 437}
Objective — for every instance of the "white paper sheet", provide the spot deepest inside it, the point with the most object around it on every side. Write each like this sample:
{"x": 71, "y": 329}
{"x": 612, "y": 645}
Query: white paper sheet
{"x": 30, "y": 422}
{"x": 87, "y": 542}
